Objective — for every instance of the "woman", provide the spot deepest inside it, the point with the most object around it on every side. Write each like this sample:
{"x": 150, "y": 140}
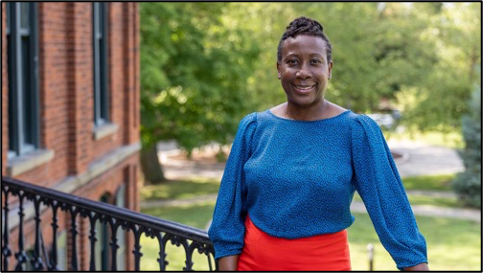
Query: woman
{"x": 284, "y": 200}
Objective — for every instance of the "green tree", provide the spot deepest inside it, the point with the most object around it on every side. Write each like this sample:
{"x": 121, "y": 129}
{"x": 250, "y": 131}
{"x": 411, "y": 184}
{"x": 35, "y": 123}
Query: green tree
{"x": 377, "y": 50}
{"x": 440, "y": 102}
{"x": 194, "y": 69}
{"x": 265, "y": 23}
{"x": 205, "y": 65}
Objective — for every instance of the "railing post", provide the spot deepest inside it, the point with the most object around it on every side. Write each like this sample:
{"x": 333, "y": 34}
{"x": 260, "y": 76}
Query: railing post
{"x": 53, "y": 258}
{"x": 137, "y": 247}
{"x": 37, "y": 260}
{"x": 92, "y": 239}
{"x": 73, "y": 211}
{"x": 371, "y": 251}
{"x": 161, "y": 254}
{"x": 114, "y": 246}
{"x": 6, "y": 252}
{"x": 20, "y": 255}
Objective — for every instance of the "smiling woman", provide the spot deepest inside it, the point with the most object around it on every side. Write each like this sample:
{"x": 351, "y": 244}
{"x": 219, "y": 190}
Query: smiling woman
{"x": 284, "y": 200}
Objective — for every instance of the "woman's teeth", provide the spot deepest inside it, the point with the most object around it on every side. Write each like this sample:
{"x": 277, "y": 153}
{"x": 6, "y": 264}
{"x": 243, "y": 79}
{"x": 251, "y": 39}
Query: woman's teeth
{"x": 304, "y": 88}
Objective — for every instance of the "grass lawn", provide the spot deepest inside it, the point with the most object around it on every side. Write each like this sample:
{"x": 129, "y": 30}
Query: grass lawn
{"x": 427, "y": 200}
{"x": 432, "y": 182}
{"x": 435, "y": 138}
{"x": 180, "y": 189}
{"x": 452, "y": 244}
{"x": 196, "y": 215}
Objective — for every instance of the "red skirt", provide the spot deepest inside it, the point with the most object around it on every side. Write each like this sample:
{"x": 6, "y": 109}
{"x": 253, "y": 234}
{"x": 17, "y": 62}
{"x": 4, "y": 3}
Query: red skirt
{"x": 262, "y": 252}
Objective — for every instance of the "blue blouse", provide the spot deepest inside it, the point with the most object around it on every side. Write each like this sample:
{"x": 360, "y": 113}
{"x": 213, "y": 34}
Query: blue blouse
{"x": 297, "y": 179}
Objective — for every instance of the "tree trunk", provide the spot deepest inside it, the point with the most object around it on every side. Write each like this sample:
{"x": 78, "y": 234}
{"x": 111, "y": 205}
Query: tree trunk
{"x": 150, "y": 165}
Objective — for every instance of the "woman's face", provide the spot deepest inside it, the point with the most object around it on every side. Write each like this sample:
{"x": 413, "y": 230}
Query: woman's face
{"x": 304, "y": 70}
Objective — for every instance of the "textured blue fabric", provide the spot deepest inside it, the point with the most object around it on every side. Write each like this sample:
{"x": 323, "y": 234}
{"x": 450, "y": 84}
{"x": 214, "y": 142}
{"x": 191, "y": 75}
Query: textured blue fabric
{"x": 297, "y": 179}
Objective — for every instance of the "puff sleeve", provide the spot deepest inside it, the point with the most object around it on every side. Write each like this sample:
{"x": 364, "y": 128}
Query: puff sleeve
{"x": 382, "y": 191}
{"x": 227, "y": 229}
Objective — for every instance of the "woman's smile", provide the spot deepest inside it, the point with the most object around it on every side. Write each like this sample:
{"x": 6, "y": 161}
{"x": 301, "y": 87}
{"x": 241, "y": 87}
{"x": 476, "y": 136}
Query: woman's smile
{"x": 304, "y": 89}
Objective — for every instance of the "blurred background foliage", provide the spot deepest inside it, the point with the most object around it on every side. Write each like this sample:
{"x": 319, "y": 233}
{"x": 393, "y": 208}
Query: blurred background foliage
{"x": 206, "y": 65}
{"x": 467, "y": 184}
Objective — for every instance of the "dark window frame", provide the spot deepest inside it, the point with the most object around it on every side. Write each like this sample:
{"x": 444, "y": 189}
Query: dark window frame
{"x": 100, "y": 63}
{"x": 23, "y": 78}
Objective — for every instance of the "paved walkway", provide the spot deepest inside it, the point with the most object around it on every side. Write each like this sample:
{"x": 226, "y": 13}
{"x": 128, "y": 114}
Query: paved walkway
{"x": 423, "y": 159}
{"x": 418, "y": 159}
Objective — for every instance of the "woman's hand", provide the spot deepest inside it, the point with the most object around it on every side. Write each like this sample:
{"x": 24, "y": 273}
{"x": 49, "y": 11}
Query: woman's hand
{"x": 228, "y": 263}
{"x": 419, "y": 267}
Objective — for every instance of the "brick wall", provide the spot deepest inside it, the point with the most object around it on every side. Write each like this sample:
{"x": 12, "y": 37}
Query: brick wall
{"x": 66, "y": 105}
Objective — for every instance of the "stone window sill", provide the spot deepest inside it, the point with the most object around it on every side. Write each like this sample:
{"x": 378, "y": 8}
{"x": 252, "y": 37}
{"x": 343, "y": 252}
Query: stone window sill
{"x": 105, "y": 130}
{"x": 23, "y": 163}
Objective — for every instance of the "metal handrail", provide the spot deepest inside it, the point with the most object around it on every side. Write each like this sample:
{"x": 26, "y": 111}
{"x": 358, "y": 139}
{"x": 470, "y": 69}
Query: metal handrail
{"x": 138, "y": 223}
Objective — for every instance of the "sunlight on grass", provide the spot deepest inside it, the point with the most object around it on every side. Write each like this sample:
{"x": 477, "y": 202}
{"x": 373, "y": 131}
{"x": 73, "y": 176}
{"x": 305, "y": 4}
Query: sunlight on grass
{"x": 180, "y": 189}
{"x": 196, "y": 215}
{"x": 450, "y": 140}
{"x": 426, "y": 200}
{"x": 432, "y": 182}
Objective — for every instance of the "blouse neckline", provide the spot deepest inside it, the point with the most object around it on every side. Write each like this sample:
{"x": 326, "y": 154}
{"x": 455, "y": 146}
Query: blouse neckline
{"x": 313, "y": 121}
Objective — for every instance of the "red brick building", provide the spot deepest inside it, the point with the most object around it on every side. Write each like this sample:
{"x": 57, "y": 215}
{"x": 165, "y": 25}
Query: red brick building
{"x": 70, "y": 110}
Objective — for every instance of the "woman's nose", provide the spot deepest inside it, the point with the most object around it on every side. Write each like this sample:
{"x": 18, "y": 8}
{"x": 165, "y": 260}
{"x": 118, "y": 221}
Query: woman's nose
{"x": 302, "y": 73}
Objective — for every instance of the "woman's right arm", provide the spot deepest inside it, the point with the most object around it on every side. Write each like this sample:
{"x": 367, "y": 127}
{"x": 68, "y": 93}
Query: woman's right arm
{"x": 228, "y": 263}
{"x": 227, "y": 229}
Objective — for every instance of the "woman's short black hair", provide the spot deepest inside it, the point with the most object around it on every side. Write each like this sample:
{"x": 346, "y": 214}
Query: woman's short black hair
{"x": 307, "y": 26}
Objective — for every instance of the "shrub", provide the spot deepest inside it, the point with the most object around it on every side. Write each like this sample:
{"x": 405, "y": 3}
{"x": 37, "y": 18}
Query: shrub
{"x": 467, "y": 184}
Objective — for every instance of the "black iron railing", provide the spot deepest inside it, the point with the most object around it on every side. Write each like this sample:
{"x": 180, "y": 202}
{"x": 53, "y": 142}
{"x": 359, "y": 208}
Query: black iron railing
{"x": 164, "y": 231}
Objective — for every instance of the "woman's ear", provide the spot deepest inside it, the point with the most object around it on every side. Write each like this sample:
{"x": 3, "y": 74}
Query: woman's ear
{"x": 278, "y": 71}
{"x": 330, "y": 69}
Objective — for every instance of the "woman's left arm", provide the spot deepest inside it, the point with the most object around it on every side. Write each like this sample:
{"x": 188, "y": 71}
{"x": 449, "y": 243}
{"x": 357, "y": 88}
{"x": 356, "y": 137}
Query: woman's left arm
{"x": 381, "y": 189}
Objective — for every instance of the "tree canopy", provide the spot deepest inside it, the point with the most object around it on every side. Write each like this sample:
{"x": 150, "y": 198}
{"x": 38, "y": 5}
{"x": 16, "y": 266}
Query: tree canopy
{"x": 206, "y": 65}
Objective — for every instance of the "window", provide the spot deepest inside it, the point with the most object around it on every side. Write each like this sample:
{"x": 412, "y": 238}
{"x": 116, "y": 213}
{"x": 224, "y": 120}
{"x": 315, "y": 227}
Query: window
{"x": 100, "y": 54}
{"x": 22, "y": 47}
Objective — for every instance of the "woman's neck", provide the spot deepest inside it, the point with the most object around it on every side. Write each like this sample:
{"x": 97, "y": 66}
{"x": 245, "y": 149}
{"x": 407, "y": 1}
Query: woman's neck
{"x": 310, "y": 113}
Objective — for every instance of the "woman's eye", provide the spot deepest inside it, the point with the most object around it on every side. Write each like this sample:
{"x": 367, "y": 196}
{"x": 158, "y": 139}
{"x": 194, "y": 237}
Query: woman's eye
{"x": 292, "y": 61}
{"x": 316, "y": 61}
